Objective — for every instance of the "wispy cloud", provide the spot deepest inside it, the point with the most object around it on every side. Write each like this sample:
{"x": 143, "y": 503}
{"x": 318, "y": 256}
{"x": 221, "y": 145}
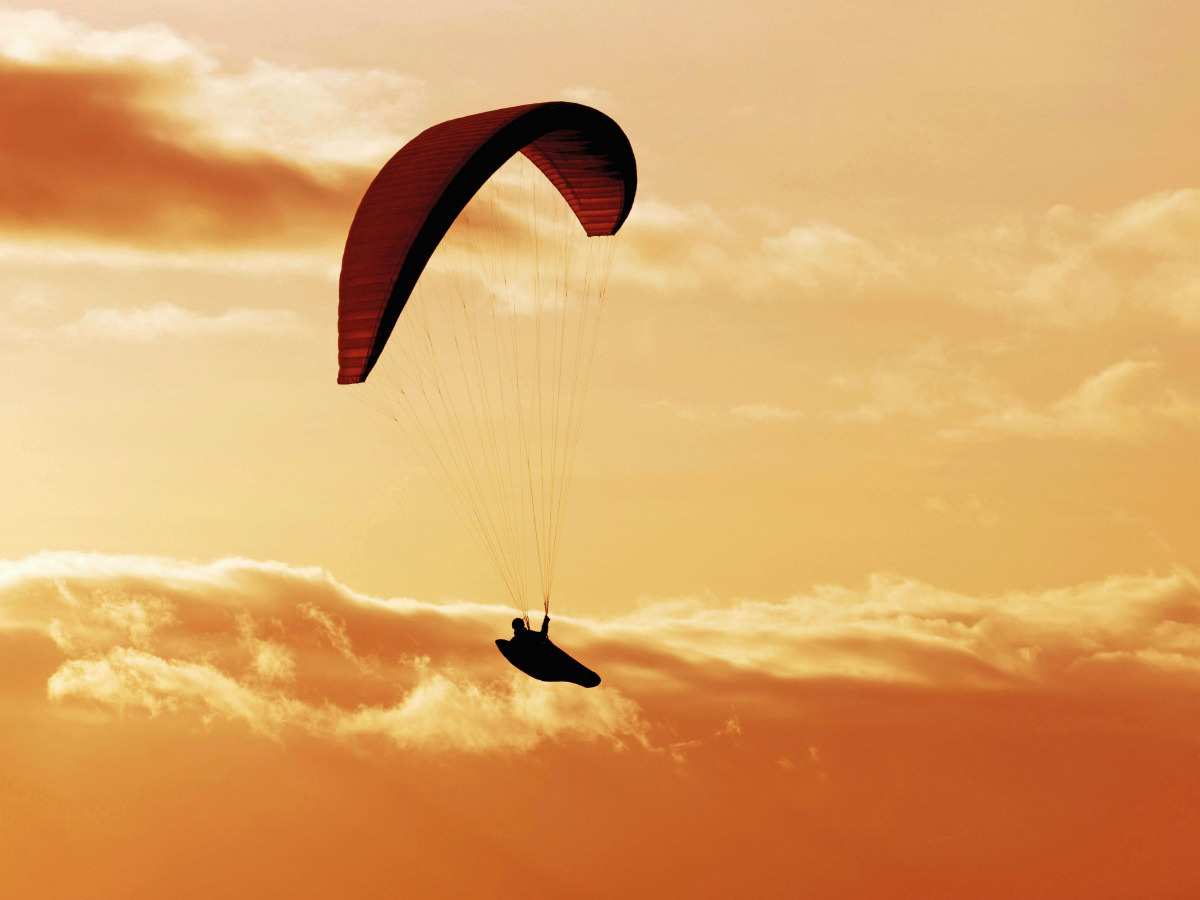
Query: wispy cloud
{"x": 765, "y": 412}
{"x": 698, "y": 248}
{"x": 758, "y": 412}
{"x": 155, "y": 323}
{"x": 923, "y": 383}
{"x": 900, "y": 630}
{"x": 166, "y": 320}
{"x": 1146, "y": 254}
{"x": 1129, "y": 400}
{"x": 1064, "y": 270}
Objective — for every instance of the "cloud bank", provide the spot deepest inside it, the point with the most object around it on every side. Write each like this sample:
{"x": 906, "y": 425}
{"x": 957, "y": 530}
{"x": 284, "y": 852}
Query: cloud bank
{"x": 140, "y": 138}
{"x": 821, "y": 743}
{"x": 282, "y": 650}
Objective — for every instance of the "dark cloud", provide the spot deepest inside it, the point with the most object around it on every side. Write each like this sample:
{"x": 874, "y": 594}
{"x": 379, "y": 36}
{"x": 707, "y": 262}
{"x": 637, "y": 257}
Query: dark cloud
{"x": 91, "y": 153}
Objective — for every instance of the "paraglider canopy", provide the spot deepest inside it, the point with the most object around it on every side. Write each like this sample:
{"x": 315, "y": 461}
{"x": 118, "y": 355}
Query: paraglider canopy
{"x": 416, "y": 196}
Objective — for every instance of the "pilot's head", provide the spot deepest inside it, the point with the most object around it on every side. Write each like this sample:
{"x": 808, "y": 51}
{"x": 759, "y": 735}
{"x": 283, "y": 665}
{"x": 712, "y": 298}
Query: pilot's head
{"x": 518, "y": 625}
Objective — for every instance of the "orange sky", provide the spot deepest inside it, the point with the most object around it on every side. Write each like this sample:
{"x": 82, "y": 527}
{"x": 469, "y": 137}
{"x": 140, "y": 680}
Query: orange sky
{"x": 882, "y": 533}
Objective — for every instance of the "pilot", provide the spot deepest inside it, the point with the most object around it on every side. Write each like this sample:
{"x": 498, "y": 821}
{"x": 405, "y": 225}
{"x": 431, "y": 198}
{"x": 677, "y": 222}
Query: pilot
{"x": 522, "y": 634}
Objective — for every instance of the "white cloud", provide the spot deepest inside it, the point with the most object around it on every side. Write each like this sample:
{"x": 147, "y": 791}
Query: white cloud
{"x": 515, "y": 714}
{"x": 896, "y": 630}
{"x": 251, "y": 643}
{"x": 758, "y": 412}
{"x": 819, "y": 254}
{"x": 68, "y": 251}
{"x": 165, "y": 320}
{"x": 355, "y": 116}
{"x": 750, "y": 254}
{"x": 439, "y": 713}
{"x": 272, "y": 661}
{"x": 696, "y": 248}
{"x": 1066, "y": 270}
{"x": 1129, "y": 400}
{"x": 44, "y": 36}
{"x": 159, "y": 322}
{"x": 923, "y": 383}
{"x": 313, "y": 116}
{"x": 334, "y": 631}
{"x": 199, "y": 654}
{"x": 125, "y": 678}
{"x": 1074, "y": 268}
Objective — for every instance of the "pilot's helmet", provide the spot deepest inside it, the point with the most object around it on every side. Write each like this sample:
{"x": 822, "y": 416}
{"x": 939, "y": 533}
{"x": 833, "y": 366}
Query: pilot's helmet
{"x": 518, "y": 624}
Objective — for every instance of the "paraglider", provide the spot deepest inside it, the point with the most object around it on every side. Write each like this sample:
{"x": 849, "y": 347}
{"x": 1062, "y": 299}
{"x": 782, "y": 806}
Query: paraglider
{"x": 470, "y": 295}
{"x": 535, "y": 655}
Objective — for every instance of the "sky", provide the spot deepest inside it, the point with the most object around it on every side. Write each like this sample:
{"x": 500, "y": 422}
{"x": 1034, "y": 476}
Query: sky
{"x": 881, "y": 533}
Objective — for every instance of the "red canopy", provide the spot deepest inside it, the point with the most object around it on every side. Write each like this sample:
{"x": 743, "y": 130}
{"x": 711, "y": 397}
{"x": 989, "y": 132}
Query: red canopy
{"x": 417, "y": 195}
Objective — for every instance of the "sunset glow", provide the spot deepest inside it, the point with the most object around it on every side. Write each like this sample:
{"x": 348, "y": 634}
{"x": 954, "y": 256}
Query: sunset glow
{"x": 881, "y": 531}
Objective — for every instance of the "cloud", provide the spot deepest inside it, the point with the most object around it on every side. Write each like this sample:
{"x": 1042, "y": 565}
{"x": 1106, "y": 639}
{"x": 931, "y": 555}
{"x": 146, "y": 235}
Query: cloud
{"x": 282, "y": 650}
{"x": 140, "y": 147}
{"x": 756, "y": 412}
{"x": 900, "y": 631}
{"x": 923, "y": 383}
{"x": 44, "y": 36}
{"x": 152, "y": 324}
{"x": 89, "y": 163}
{"x": 364, "y": 115}
{"x": 440, "y": 712}
{"x": 1065, "y": 269}
{"x": 167, "y": 320}
{"x": 29, "y": 298}
{"x": 54, "y": 251}
{"x": 764, "y": 412}
{"x": 1144, "y": 255}
{"x": 819, "y": 254}
{"x": 140, "y": 139}
{"x": 877, "y": 712}
{"x": 697, "y": 248}
{"x": 1129, "y": 400}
